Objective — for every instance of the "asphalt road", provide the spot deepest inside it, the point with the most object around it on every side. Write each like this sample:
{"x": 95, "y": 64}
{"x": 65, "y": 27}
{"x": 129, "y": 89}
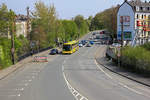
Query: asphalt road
{"x": 70, "y": 77}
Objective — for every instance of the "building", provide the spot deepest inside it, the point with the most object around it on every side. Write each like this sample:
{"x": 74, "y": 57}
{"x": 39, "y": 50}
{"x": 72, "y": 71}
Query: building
{"x": 133, "y": 20}
{"x": 21, "y": 25}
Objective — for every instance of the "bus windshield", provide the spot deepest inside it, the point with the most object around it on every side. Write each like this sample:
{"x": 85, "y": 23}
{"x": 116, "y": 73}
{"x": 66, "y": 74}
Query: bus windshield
{"x": 67, "y": 47}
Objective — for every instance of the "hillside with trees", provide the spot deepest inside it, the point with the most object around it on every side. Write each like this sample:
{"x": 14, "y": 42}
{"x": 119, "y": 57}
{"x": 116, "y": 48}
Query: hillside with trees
{"x": 47, "y": 31}
{"x": 106, "y": 19}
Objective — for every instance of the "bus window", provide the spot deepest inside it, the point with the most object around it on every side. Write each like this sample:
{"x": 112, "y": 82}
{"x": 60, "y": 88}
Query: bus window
{"x": 67, "y": 47}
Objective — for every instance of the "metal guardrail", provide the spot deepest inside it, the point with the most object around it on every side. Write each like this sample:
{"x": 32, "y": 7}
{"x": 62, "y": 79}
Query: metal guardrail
{"x": 111, "y": 52}
{"x": 32, "y": 53}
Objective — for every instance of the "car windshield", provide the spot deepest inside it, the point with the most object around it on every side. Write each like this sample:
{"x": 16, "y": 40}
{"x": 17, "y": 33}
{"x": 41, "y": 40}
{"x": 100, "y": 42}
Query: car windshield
{"x": 53, "y": 49}
{"x": 66, "y": 47}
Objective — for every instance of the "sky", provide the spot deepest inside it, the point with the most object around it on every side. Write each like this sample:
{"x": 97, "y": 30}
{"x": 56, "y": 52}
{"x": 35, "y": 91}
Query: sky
{"x": 66, "y": 9}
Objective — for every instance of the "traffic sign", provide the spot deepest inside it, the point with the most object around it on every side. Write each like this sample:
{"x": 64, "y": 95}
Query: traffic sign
{"x": 40, "y": 59}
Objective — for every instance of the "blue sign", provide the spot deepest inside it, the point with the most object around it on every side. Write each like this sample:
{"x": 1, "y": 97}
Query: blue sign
{"x": 127, "y": 35}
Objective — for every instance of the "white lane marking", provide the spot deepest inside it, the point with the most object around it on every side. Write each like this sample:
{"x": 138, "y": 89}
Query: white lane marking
{"x": 26, "y": 84}
{"x": 74, "y": 92}
{"x": 19, "y": 89}
{"x": 19, "y": 95}
{"x": 33, "y": 76}
{"x": 29, "y": 80}
{"x": 11, "y": 95}
{"x": 103, "y": 70}
{"x": 131, "y": 89}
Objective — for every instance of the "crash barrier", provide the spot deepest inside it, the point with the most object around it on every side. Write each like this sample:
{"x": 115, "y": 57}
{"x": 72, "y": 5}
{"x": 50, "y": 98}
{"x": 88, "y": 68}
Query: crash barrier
{"x": 32, "y": 53}
{"x": 40, "y": 59}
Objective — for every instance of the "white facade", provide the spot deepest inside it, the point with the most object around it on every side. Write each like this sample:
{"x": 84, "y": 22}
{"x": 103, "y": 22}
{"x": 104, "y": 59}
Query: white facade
{"x": 21, "y": 28}
{"x": 139, "y": 24}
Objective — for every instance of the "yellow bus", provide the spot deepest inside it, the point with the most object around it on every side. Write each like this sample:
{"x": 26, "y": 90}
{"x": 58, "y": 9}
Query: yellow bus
{"x": 70, "y": 47}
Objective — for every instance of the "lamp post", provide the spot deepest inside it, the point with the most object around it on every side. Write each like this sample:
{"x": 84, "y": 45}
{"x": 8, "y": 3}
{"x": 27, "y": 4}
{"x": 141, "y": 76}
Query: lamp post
{"x": 122, "y": 33}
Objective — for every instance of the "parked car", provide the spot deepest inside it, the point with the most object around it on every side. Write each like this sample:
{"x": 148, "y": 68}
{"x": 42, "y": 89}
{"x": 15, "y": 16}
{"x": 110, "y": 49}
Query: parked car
{"x": 54, "y": 51}
{"x": 91, "y": 42}
{"x": 80, "y": 45}
{"x": 83, "y": 42}
{"x": 88, "y": 45}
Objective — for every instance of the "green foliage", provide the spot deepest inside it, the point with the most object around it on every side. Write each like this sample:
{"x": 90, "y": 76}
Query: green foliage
{"x": 21, "y": 46}
{"x": 45, "y": 25}
{"x": 82, "y": 25}
{"x": 106, "y": 20}
{"x": 3, "y": 20}
{"x": 70, "y": 29}
{"x": 6, "y": 45}
{"x": 47, "y": 30}
{"x": 146, "y": 46}
{"x": 137, "y": 59}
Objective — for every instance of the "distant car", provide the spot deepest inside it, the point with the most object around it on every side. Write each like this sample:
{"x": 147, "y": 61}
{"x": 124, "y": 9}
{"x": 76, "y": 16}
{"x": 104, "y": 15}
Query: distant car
{"x": 93, "y": 33}
{"x": 54, "y": 51}
{"x": 83, "y": 42}
{"x": 88, "y": 45}
{"x": 91, "y": 42}
{"x": 80, "y": 45}
{"x": 90, "y": 38}
{"x": 116, "y": 45}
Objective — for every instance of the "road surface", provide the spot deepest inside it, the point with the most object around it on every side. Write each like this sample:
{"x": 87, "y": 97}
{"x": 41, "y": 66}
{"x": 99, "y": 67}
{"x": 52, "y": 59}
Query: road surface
{"x": 70, "y": 77}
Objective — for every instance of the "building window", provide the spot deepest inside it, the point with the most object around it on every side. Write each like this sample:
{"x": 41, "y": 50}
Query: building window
{"x": 137, "y": 16}
{"x": 134, "y": 7}
{"x": 141, "y": 8}
{"x": 148, "y": 8}
{"x": 149, "y": 33}
{"x": 142, "y": 16}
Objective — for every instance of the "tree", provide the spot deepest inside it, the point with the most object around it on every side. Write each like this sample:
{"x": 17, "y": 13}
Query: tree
{"x": 81, "y": 24}
{"x": 4, "y": 20}
{"x": 70, "y": 29}
{"x": 46, "y": 20}
{"x": 106, "y": 20}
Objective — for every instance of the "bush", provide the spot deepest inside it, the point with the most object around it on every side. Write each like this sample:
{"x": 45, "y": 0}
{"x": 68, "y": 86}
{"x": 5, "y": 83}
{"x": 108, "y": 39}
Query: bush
{"x": 136, "y": 59}
{"x": 146, "y": 46}
{"x": 6, "y": 49}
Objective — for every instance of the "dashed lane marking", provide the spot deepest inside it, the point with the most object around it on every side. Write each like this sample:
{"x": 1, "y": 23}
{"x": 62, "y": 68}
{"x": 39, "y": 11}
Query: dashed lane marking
{"x": 74, "y": 92}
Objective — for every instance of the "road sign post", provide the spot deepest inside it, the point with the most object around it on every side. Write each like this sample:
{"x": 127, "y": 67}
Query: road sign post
{"x": 118, "y": 55}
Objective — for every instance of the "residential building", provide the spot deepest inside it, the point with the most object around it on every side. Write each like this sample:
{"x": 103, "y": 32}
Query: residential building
{"x": 133, "y": 20}
{"x": 21, "y": 25}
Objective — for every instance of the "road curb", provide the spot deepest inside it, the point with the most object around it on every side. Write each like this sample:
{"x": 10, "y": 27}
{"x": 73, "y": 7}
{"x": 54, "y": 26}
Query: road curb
{"x": 105, "y": 66}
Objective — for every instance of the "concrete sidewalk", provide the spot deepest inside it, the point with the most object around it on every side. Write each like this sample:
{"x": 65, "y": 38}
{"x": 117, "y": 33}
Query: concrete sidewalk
{"x": 118, "y": 70}
{"x": 5, "y": 72}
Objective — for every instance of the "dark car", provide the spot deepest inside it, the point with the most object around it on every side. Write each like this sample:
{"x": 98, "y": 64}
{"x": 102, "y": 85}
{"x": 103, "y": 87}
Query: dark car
{"x": 91, "y": 42}
{"x": 54, "y": 51}
{"x": 83, "y": 42}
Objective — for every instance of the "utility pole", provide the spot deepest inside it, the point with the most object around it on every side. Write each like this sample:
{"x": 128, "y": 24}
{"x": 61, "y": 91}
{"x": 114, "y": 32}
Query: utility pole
{"x": 122, "y": 33}
{"x": 28, "y": 19}
{"x": 28, "y": 30}
{"x": 122, "y": 28}
{"x": 12, "y": 24}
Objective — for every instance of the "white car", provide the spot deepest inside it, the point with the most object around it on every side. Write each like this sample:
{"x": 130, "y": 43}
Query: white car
{"x": 80, "y": 45}
{"x": 116, "y": 45}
